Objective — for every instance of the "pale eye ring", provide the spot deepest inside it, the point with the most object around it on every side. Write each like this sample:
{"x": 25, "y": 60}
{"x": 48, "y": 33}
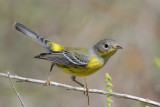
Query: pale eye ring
{"x": 106, "y": 46}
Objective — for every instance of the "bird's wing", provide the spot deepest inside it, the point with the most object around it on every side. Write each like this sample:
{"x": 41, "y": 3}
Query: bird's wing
{"x": 66, "y": 58}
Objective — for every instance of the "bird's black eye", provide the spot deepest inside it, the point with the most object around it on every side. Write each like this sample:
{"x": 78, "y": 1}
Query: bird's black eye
{"x": 105, "y": 46}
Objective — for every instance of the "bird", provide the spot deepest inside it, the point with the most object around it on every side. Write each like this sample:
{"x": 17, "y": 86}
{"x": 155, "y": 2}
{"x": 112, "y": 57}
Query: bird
{"x": 75, "y": 61}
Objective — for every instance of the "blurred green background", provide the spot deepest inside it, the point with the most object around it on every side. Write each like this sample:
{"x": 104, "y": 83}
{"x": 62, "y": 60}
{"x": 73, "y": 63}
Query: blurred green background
{"x": 134, "y": 24}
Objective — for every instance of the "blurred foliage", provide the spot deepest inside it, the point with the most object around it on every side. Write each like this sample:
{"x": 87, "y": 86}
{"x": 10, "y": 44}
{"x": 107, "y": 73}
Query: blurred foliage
{"x": 157, "y": 62}
{"x": 108, "y": 88}
{"x": 134, "y": 24}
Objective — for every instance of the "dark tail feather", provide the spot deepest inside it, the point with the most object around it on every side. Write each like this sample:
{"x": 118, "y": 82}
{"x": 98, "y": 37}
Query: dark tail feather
{"x": 36, "y": 37}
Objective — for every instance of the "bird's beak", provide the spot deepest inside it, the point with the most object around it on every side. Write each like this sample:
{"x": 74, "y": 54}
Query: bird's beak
{"x": 117, "y": 47}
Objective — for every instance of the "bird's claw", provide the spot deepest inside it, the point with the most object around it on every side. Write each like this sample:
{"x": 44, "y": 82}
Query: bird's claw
{"x": 85, "y": 90}
{"x": 48, "y": 82}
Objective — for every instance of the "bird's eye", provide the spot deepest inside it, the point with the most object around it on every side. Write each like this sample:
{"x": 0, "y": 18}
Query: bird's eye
{"x": 106, "y": 46}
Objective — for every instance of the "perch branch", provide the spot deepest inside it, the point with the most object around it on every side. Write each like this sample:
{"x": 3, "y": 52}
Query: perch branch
{"x": 20, "y": 99}
{"x": 68, "y": 87}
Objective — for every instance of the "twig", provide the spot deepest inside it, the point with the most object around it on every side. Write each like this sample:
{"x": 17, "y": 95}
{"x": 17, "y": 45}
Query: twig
{"x": 68, "y": 87}
{"x": 22, "y": 103}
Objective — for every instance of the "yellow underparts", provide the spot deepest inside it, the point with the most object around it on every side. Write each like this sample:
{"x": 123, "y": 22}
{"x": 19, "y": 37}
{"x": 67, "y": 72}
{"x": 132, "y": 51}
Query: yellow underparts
{"x": 93, "y": 66}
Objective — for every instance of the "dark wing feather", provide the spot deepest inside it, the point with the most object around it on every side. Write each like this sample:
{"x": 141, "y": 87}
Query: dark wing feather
{"x": 66, "y": 58}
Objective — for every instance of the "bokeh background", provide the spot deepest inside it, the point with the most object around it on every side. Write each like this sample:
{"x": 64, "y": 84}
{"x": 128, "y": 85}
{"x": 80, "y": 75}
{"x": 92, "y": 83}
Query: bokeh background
{"x": 134, "y": 24}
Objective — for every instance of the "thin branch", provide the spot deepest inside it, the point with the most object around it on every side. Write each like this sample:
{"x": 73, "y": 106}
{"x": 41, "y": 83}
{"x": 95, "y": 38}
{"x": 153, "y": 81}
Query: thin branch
{"x": 22, "y": 103}
{"x": 68, "y": 87}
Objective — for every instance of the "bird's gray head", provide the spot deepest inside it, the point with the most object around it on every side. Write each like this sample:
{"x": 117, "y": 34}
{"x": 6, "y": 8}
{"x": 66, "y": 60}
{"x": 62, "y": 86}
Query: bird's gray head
{"x": 106, "y": 48}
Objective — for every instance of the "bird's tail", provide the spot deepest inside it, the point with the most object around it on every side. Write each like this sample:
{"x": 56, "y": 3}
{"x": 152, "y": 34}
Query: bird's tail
{"x": 49, "y": 46}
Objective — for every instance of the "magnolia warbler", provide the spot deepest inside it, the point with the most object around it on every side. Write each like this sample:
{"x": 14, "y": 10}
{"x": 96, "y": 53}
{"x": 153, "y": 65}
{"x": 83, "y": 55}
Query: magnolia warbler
{"x": 79, "y": 62}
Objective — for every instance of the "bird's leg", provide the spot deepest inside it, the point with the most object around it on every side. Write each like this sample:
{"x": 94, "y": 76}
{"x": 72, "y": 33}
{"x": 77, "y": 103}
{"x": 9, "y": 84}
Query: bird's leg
{"x": 87, "y": 91}
{"x": 74, "y": 79}
{"x": 48, "y": 81}
{"x": 85, "y": 86}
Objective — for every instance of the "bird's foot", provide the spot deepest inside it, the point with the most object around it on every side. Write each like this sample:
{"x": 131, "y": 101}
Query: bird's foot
{"x": 48, "y": 82}
{"x": 86, "y": 90}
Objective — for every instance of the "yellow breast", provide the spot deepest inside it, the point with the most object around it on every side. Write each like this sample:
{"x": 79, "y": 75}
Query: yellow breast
{"x": 93, "y": 66}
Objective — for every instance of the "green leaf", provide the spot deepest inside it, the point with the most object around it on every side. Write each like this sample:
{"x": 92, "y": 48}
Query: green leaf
{"x": 110, "y": 91}
{"x": 157, "y": 62}
{"x": 109, "y": 105}
{"x": 109, "y": 84}
{"x": 111, "y": 101}
{"x": 108, "y": 95}
{"x": 108, "y": 77}
{"x": 108, "y": 100}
